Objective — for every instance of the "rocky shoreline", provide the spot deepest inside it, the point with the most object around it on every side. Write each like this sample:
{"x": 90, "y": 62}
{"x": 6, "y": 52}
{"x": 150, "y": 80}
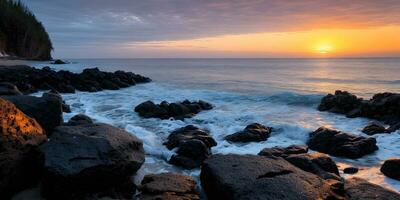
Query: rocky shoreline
{"x": 84, "y": 159}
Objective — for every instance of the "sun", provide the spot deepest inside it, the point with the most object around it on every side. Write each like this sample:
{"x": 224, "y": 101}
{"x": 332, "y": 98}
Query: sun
{"x": 324, "y": 48}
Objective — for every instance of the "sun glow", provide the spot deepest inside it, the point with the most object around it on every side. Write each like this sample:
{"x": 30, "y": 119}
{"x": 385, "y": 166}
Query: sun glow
{"x": 324, "y": 48}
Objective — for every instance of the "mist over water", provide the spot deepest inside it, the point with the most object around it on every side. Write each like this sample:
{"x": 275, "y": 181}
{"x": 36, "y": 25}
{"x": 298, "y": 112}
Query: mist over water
{"x": 282, "y": 93}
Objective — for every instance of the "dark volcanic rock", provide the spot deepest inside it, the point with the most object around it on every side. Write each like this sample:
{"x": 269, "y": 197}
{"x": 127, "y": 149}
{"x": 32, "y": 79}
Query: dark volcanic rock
{"x": 350, "y": 170}
{"x": 88, "y": 158}
{"x": 9, "y": 89}
{"x": 259, "y": 177}
{"x": 47, "y": 110}
{"x": 59, "y": 62}
{"x": 337, "y": 143}
{"x": 391, "y": 168}
{"x": 359, "y": 189}
{"x": 29, "y": 79}
{"x": 193, "y": 145}
{"x": 341, "y": 102}
{"x": 79, "y": 119}
{"x": 284, "y": 151}
{"x": 165, "y": 110}
{"x": 254, "y": 132}
{"x": 374, "y": 128}
{"x": 20, "y": 160}
{"x": 169, "y": 186}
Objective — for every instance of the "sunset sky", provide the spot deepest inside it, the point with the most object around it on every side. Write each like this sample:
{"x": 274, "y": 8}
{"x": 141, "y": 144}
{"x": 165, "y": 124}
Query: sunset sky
{"x": 220, "y": 28}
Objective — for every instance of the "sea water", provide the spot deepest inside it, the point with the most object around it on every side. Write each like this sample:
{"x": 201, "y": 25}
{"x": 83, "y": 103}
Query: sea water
{"x": 281, "y": 93}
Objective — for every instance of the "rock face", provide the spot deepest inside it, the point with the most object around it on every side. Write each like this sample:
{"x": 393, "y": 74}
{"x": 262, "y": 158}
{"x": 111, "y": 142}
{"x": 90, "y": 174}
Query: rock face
{"x": 9, "y": 89}
{"x": 252, "y": 133}
{"x": 258, "y": 177}
{"x": 359, "y": 189}
{"x": 194, "y": 145}
{"x": 47, "y": 110}
{"x": 29, "y": 79}
{"x": 284, "y": 151}
{"x": 169, "y": 186}
{"x": 20, "y": 160}
{"x": 382, "y": 106}
{"x": 178, "y": 110}
{"x": 88, "y": 158}
{"x": 391, "y": 168}
{"x": 337, "y": 143}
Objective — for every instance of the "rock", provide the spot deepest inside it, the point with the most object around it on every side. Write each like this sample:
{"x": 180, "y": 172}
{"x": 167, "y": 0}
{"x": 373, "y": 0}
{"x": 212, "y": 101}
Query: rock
{"x": 169, "y": 186}
{"x": 9, "y": 89}
{"x": 391, "y": 168}
{"x": 359, "y": 189}
{"x": 341, "y": 102}
{"x": 254, "y": 132}
{"x": 59, "y": 62}
{"x": 88, "y": 158}
{"x": 20, "y": 160}
{"x": 259, "y": 177}
{"x": 350, "y": 170}
{"x": 65, "y": 107}
{"x": 337, "y": 143}
{"x": 47, "y": 110}
{"x": 284, "y": 151}
{"x": 165, "y": 110}
{"x": 374, "y": 128}
{"x": 394, "y": 127}
{"x": 316, "y": 163}
{"x": 193, "y": 144}
{"x": 79, "y": 119}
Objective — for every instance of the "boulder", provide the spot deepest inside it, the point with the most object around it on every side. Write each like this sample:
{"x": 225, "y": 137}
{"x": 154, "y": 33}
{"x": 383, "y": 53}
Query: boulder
{"x": 350, "y": 170}
{"x": 341, "y": 102}
{"x": 9, "y": 89}
{"x": 259, "y": 177}
{"x": 284, "y": 151}
{"x": 79, "y": 119}
{"x": 391, "y": 168}
{"x": 59, "y": 62}
{"x": 254, "y": 132}
{"x": 194, "y": 145}
{"x": 47, "y": 110}
{"x": 20, "y": 160}
{"x": 337, "y": 143}
{"x": 359, "y": 189}
{"x": 88, "y": 158}
{"x": 169, "y": 186}
{"x": 374, "y": 128}
{"x": 165, "y": 110}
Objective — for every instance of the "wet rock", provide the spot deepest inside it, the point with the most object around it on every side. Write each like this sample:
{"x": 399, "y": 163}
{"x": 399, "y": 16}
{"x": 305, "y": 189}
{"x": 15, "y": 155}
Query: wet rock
{"x": 391, "y": 168}
{"x": 341, "y": 102}
{"x": 9, "y": 89}
{"x": 165, "y": 110}
{"x": 259, "y": 177}
{"x": 79, "y": 119}
{"x": 337, "y": 143}
{"x": 374, "y": 128}
{"x": 284, "y": 151}
{"x": 252, "y": 133}
{"x": 359, "y": 189}
{"x": 88, "y": 158}
{"x": 350, "y": 170}
{"x": 394, "y": 127}
{"x": 47, "y": 110}
{"x": 169, "y": 186}
{"x": 59, "y": 62}
{"x": 20, "y": 160}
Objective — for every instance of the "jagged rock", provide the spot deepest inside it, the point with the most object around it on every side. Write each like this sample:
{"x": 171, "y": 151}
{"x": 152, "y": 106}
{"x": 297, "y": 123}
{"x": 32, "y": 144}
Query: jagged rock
{"x": 254, "y": 132}
{"x": 88, "y": 158}
{"x": 337, "y": 143}
{"x": 391, "y": 168}
{"x": 284, "y": 151}
{"x": 79, "y": 119}
{"x": 20, "y": 160}
{"x": 168, "y": 186}
{"x": 9, "y": 89}
{"x": 359, "y": 189}
{"x": 350, "y": 170}
{"x": 259, "y": 177}
{"x": 374, "y": 128}
{"x": 341, "y": 102}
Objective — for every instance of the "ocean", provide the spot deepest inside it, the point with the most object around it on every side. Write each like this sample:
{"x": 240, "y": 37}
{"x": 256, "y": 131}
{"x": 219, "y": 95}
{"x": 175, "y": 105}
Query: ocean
{"x": 282, "y": 93}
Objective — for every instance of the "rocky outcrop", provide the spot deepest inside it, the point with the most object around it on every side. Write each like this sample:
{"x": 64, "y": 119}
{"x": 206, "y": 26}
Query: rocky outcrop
{"x": 89, "y": 158}
{"x": 350, "y": 170}
{"x": 337, "y": 143}
{"x": 284, "y": 151}
{"x": 193, "y": 146}
{"x": 20, "y": 160}
{"x": 382, "y": 106}
{"x": 29, "y": 79}
{"x": 169, "y": 186}
{"x": 79, "y": 119}
{"x": 259, "y": 177}
{"x": 374, "y": 128}
{"x": 178, "y": 110}
{"x": 47, "y": 110}
{"x": 254, "y": 132}
{"x": 359, "y": 189}
{"x": 9, "y": 89}
{"x": 59, "y": 62}
{"x": 391, "y": 168}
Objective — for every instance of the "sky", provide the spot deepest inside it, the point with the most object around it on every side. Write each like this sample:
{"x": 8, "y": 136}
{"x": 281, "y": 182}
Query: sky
{"x": 220, "y": 28}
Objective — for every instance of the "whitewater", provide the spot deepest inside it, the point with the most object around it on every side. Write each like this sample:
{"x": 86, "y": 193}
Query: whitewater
{"x": 281, "y": 93}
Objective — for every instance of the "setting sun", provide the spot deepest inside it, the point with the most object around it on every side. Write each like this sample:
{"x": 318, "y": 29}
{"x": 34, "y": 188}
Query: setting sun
{"x": 324, "y": 48}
